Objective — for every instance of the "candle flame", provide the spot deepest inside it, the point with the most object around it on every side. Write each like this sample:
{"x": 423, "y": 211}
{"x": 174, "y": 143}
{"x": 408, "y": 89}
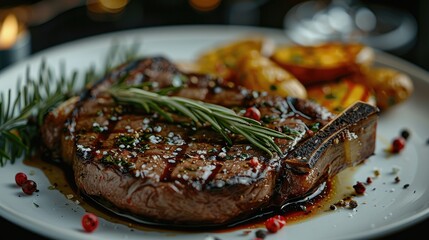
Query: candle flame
{"x": 9, "y": 30}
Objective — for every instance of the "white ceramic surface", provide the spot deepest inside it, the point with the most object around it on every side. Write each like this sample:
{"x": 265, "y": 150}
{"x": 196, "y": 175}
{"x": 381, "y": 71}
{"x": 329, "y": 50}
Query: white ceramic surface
{"x": 384, "y": 210}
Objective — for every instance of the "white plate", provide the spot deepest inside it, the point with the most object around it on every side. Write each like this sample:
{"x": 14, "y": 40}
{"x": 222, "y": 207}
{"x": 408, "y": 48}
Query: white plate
{"x": 384, "y": 210}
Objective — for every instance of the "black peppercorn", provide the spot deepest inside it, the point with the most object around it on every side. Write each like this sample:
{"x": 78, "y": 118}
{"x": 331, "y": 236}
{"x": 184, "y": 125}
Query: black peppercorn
{"x": 353, "y": 204}
{"x": 261, "y": 233}
{"x": 405, "y": 133}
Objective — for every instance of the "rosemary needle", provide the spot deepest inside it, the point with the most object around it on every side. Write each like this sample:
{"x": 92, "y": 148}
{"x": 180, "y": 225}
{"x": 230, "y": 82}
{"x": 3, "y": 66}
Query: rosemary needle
{"x": 222, "y": 119}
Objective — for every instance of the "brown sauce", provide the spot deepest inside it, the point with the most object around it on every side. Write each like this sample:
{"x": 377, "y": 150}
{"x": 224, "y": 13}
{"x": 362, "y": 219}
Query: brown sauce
{"x": 330, "y": 192}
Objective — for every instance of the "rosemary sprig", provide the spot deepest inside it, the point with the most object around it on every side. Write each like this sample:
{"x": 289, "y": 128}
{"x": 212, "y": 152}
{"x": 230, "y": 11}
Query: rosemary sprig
{"x": 19, "y": 117}
{"x": 22, "y": 114}
{"x": 223, "y": 120}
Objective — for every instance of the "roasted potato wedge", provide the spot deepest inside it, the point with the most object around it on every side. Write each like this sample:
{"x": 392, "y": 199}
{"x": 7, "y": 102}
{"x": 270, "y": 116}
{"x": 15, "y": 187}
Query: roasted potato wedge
{"x": 258, "y": 72}
{"x": 324, "y": 62}
{"x": 339, "y": 94}
{"x": 222, "y": 60}
{"x": 391, "y": 87}
{"x": 334, "y": 74}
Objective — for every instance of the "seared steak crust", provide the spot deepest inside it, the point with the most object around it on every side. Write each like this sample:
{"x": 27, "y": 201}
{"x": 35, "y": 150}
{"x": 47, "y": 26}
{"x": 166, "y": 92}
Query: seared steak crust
{"x": 182, "y": 174}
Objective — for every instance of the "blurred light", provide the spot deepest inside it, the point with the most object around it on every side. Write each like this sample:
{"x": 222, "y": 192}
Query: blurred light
{"x": 107, "y": 6}
{"x": 365, "y": 19}
{"x": 9, "y": 30}
{"x": 113, "y": 5}
{"x": 340, "y": 20}
{"x": 204, "y": 5}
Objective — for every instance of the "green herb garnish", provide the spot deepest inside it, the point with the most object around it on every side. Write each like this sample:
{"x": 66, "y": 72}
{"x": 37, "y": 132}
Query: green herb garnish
{"x": 22, "y": 114}
{"x": 221, "y": 119}
{"x": 315, "y": 127}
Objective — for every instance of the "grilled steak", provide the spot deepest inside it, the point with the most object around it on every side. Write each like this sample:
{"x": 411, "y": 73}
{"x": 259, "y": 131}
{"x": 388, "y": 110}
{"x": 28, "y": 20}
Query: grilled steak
{"x": 176, "y": 173}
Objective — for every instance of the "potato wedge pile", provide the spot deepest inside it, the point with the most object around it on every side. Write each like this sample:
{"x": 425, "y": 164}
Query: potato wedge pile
{"x": 333, "y": 74}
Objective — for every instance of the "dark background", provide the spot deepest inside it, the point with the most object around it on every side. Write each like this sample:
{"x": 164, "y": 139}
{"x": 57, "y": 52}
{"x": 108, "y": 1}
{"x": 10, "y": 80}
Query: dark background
{"x": 77, "y": 20}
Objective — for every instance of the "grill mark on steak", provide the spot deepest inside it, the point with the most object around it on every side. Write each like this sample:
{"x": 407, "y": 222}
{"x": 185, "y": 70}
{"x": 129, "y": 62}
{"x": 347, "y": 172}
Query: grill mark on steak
{"x": 177, "y": 174}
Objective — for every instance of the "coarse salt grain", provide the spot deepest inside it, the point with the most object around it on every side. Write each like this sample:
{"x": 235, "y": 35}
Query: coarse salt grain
{"x": 395, "y": 169}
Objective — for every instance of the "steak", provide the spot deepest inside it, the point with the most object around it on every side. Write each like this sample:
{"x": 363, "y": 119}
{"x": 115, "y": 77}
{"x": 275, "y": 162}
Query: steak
{"x": 177, "y": 174}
